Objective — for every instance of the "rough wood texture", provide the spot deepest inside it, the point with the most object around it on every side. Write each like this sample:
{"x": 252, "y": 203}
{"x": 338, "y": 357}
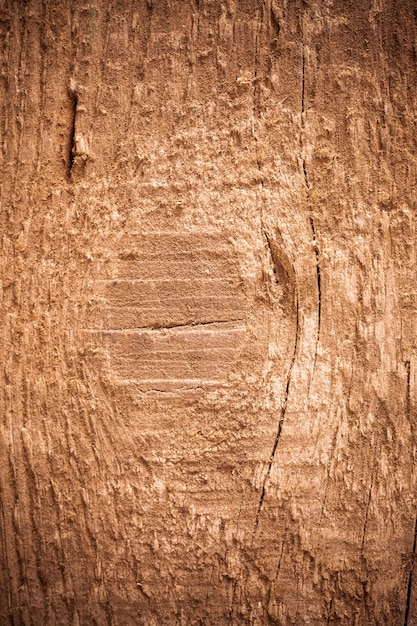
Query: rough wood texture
{"x": 208, "y": 219}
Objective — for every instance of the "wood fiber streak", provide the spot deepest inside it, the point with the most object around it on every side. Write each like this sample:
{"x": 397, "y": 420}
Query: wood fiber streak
{"x": 208, "y": 312}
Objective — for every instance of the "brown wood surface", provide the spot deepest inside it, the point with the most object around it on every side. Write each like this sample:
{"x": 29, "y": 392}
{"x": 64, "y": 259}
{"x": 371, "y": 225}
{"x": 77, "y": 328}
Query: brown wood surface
{"x": 208, "y": 339}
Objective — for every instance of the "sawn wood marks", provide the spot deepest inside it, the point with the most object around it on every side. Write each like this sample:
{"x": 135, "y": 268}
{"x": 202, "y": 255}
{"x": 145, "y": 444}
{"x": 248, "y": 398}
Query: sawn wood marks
{"x": 172, "y": 313}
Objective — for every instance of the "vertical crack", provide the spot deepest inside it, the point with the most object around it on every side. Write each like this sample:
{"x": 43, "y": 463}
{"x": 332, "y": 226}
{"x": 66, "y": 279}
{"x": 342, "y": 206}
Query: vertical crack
{"x": 278, "y": 273}
{"x": 316, "y": 252}
{"x": 410, "y": 577}
{"x": 279, "y": 561}
{"x": 302, "y": 121}
{"x": 408, "y": 392}
{"x": 306, "y": 177}
{"x": 71, "y": 141}
{"x": 280, "y": 424}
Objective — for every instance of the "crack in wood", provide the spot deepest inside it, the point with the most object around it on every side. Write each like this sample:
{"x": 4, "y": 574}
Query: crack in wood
{"x": 162, "y": 327}
{"x": 279, "y": 561}
{"x": 71, "y": 142}
{"x": 408, "y": 392}
{"x": 316, "y": 251}
{"x": 283, "y": 271}
{"x": 271, "y": 254}
{"x": 410, "y": 577}
{"x": 280, "y": 424}
{"x": 367, "y": 509}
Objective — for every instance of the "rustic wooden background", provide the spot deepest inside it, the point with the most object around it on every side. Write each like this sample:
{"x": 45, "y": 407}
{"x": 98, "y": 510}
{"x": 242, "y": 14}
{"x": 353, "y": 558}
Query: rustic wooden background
{"x": 284, "y": 132}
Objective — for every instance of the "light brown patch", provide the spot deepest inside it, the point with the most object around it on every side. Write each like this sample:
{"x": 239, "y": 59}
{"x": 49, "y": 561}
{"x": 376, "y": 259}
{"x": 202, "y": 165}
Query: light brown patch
{"x": 173, "y": 313}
